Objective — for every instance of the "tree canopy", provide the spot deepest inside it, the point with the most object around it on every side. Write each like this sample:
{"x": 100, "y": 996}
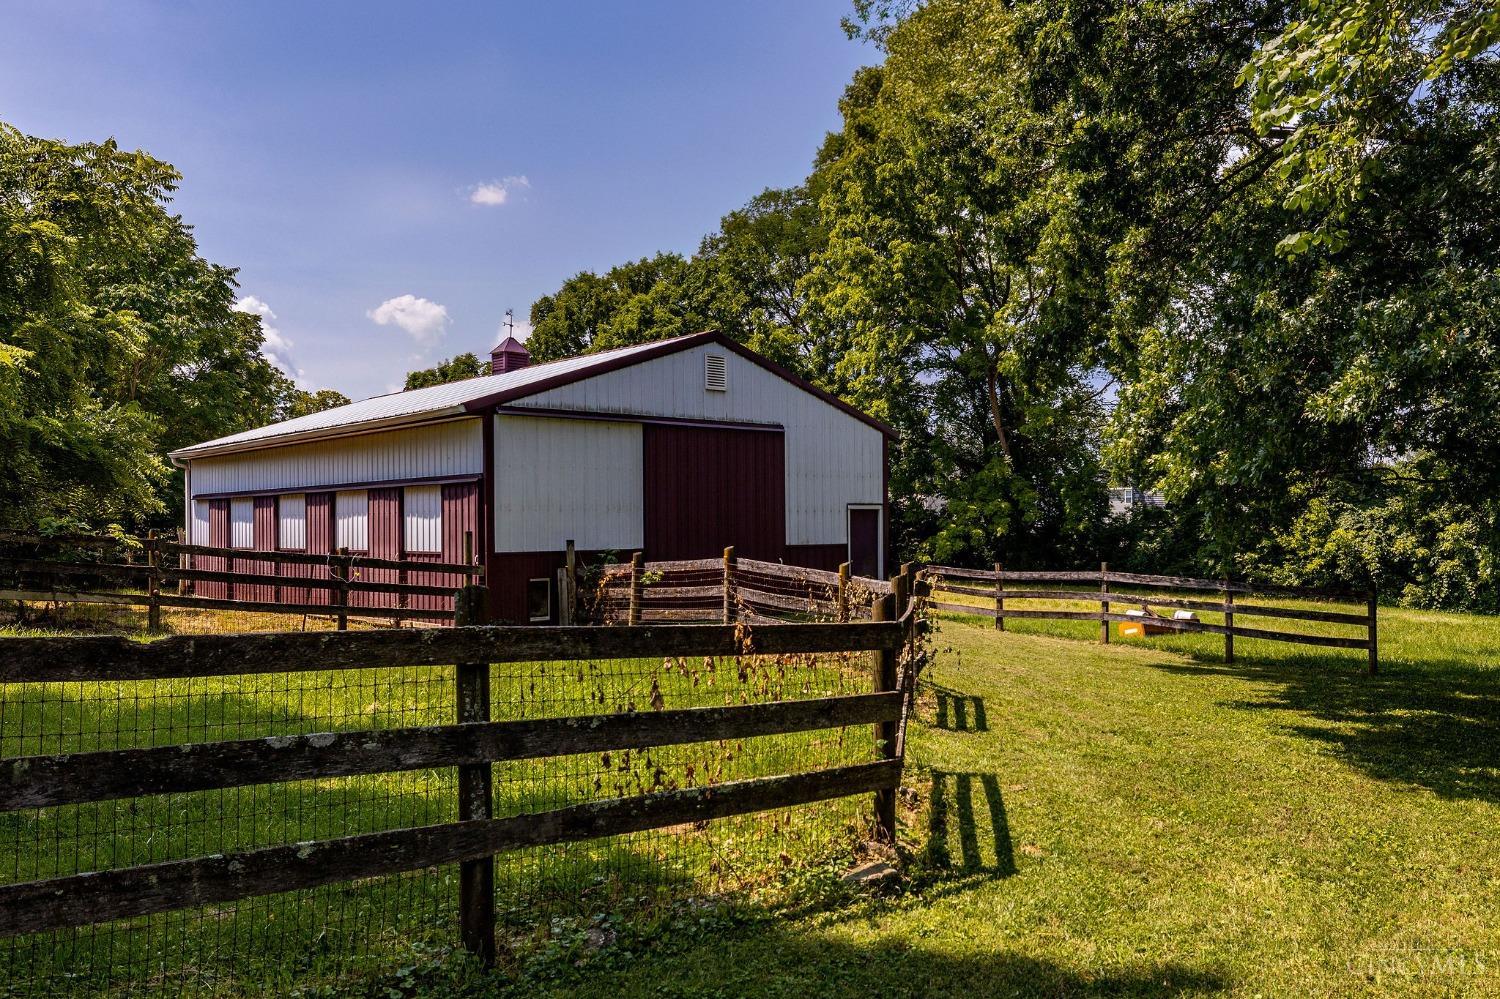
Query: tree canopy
{"x": 454, "y": 369}
{"x": 118, "y": 342}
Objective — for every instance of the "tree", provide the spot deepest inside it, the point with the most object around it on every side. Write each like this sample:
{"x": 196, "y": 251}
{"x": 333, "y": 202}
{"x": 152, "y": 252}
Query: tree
{"x": 117, "y": 341}
{"x": 455, "y": 369}
{"x": 1343, "y": 79}
{"x": 633, "y": 303}
{"x": 304, "y": 403}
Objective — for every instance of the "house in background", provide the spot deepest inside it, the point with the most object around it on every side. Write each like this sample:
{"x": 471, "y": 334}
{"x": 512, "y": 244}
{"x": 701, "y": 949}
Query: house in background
{"x": 677, "y": 448}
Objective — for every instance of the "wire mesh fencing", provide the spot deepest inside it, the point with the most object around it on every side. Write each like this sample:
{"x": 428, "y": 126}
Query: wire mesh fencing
{"x": 273, "y": 943}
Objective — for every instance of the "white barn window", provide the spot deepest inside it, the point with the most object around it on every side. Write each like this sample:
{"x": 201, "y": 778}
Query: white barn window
{"x": 423, "y": 513}
{"x": 200, "y": 523}
{"x": 291, "y": 522}
{"x": 352, "y": 513}
{"x": 242, "y": 523}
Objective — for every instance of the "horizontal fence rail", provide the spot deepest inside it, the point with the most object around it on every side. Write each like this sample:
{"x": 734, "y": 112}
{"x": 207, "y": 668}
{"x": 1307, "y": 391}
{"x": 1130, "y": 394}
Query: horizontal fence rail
{"x": 268, "y": 582}
{"x": 42, "y": 779}
{"x": 731, "y": 589}
{"x": 1000, "y": 594}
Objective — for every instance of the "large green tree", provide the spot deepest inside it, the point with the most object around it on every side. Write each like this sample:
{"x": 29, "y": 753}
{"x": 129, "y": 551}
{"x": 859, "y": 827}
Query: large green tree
{"x": 118, "y": 342}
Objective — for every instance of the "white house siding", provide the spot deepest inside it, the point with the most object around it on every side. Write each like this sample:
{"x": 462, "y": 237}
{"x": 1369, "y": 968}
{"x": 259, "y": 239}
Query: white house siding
{"x": 832, "y": 459}
{"x": 561, "y": 479}
{"x": 443, "y": 449}
{"x": 291, "y": 514}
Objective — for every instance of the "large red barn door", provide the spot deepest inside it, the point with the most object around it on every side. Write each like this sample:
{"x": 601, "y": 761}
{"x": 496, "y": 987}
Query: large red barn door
{"x": 708, "y": 487}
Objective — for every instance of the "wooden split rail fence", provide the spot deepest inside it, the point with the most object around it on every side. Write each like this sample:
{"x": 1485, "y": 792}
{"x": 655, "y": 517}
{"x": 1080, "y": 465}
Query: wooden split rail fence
{"x": 471, "y": 745}
{"x": 337, "y": 584}
{"x": 1002, "y": 589}
{"x": 730, "y": 589}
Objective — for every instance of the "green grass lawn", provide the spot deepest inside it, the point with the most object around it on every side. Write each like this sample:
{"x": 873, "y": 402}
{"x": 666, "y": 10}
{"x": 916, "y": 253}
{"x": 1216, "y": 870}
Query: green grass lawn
{"x": 1142, "y": 819}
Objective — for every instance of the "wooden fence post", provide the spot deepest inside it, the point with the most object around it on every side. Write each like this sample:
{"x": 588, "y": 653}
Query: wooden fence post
{"x": 728, "y": 612}
{"x": 633, "y": 615}
{"x": 476, "y": 878}
{"x": 1228, "y": 622}
{"x": 153, "y": 583}
{"x": 346, "y": 568}
{"x": 999, "y": 597}
{"x": 1372, "y": 601}
{"x": 1104, "y": 603}
{"x": 900, "y": 592}
{"x": 883, "y": 666}
{"x": 842, "y": 604}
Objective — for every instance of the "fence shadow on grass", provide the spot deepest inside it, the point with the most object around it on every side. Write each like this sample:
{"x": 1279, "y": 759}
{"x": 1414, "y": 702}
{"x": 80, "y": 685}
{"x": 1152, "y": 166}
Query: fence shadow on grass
{"x": 983, "y": 832}
{"x": 1434, "y": 725}
{"x": 958, "y": 712}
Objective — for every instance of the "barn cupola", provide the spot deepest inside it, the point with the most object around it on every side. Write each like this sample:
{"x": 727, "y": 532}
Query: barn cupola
{"x": 508, "y": 355}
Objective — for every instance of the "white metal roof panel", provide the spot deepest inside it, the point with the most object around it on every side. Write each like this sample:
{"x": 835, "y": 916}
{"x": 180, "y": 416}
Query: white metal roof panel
{"x": 403, "y": 407}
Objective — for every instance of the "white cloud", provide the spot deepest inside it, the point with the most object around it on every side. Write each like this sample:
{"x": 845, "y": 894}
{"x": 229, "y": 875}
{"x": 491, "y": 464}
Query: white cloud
{"x": 276, "y": 346}
{"x": 496, "y": 192}
{"x": 521, "y": 332}
{"x": 423, "y": 320}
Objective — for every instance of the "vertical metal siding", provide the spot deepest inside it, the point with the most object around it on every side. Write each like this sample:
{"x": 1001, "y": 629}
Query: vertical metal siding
{"x": 352, "y": 519}
{"x": 292, "y": 515}
{"x": 708, "y": 488}
{"x": 319, "y": 541}
{"x": 422, "y": 510}
{"x": 264, "y": 516}
{"x": 242, "y": 523}
{"x": 561, "y": 479}
{"x": 200, "y": 523}
{"x": 385, "y": 542}
{"x": 832, "y": 459}
{"x": 218, "y": 537}
{"x": 440, "y": 450}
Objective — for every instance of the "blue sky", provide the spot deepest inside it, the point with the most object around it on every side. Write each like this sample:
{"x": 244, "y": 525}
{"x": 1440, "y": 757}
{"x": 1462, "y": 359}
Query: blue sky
{"x": 363, "y": 164}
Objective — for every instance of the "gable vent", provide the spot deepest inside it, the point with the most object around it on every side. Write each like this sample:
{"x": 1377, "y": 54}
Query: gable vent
{"x": 715, "y": 373}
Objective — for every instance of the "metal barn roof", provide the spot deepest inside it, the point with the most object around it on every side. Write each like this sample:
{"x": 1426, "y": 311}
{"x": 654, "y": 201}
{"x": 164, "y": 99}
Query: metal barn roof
{"x": 473, "y": 394}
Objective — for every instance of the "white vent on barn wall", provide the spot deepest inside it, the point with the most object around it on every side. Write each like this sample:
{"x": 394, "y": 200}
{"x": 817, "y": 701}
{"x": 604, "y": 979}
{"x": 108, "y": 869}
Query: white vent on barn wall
{"x": 715, "y": 373}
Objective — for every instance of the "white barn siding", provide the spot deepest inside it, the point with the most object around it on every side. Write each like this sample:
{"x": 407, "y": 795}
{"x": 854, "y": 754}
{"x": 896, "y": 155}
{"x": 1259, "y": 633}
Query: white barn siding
{"x": 832, "y": 459}
{"x": 242, "y": 523}
{"x": 200, "y": 523}
{"x": 351, "y": 512}
{"x": 443, "y": 449}
{"x": 561, "y": 479}
{"x": 291, "y": 516}
{"x": 422, "y": 512}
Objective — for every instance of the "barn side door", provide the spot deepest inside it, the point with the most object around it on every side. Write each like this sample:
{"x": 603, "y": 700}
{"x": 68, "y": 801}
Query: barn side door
{"x": 707, "y": 488}
{"x": 864, "y": 541}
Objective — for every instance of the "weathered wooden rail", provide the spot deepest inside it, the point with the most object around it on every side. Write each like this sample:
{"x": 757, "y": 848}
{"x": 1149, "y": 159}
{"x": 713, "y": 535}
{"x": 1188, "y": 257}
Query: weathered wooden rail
{"x": 1056, "y": 586}
{"x": 287, "y": 578}
{"x": 732, "y": 589}
{"x": 471, "y": 745}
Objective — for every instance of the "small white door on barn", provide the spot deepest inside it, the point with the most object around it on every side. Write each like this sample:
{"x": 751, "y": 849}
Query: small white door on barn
{"x": 351, "y": 510}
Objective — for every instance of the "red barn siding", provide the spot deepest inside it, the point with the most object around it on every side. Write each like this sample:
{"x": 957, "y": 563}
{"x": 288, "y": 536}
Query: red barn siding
{"x": 218, "y": 537}
{"x": 264, "y": 525}
{"x": 319, "y": 541}
{"x": 707, "y": 488}
{"x": 460, "y": 517}
{"x": 384, "y": 542}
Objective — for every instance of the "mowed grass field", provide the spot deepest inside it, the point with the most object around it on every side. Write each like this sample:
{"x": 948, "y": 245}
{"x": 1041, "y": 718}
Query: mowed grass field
{"x": 1142, "y": 819}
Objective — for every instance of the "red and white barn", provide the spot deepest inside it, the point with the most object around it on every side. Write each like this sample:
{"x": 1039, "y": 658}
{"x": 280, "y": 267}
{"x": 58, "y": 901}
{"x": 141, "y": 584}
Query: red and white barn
{"x": 676, "y": 448}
